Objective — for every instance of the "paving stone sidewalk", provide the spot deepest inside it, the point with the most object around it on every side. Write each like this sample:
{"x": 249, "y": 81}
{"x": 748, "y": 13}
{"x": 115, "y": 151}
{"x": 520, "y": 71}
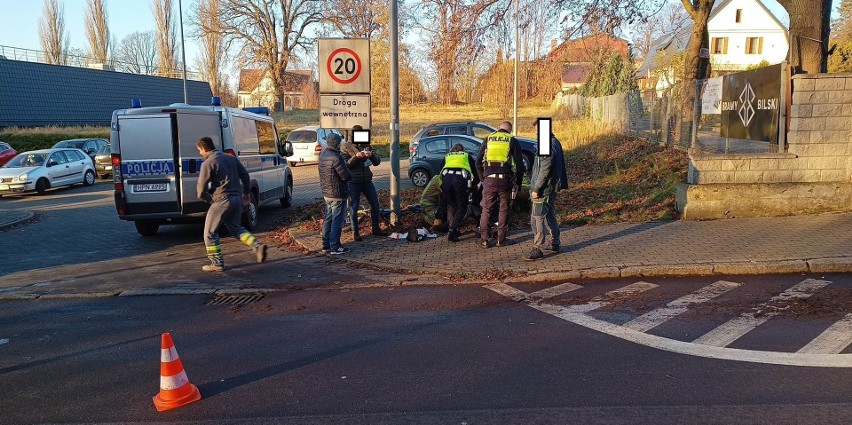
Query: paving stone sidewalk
{"x": 816, "y": 243}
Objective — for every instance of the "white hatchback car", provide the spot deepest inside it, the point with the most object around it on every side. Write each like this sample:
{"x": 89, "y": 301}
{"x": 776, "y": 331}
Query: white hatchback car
{"x": 46, "y": 168}
{"x": 308, "y": 142}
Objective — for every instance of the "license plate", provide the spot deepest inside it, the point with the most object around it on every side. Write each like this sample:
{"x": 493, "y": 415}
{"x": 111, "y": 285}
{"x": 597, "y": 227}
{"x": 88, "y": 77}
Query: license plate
{"x": 4, "y": 187}
{"x": 150, "y": 187}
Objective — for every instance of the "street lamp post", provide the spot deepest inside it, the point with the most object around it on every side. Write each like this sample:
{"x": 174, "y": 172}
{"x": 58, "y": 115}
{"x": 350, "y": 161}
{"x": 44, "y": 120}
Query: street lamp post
{"x": 517, "y": 58}
{"x": 182, "y": 50}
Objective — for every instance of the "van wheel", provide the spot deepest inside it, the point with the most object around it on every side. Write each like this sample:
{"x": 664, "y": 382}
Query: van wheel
{"x": 146, "y": 227}
{"x": 420, "y": 177}
{"x": 42, "y": 185}
{"x": 89, "y": 178}
{"x": 287, "y": 199}
{"x": 250, "y": 213}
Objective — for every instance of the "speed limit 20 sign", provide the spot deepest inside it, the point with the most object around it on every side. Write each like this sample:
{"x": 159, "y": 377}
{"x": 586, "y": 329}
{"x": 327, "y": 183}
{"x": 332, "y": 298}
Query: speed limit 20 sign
{"x": 344, "y": 65}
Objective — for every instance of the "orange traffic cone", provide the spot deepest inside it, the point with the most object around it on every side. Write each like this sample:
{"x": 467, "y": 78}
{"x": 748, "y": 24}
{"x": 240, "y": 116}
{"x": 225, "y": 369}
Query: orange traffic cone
{"x": 175, "y": 389}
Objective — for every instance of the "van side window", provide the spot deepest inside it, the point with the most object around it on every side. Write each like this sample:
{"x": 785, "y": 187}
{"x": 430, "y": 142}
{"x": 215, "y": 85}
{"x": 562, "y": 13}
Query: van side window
{"x": 245, "y": 136}
{"x": 266, "y": 137}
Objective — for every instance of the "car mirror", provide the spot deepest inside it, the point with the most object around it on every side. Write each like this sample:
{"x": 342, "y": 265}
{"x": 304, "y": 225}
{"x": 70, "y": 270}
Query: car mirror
{"x": 52, "y": 163}
{"x": 285, "y": 148}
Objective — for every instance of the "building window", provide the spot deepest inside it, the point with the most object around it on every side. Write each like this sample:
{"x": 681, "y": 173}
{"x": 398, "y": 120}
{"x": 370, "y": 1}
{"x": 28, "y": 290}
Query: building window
{"x": 754, "y": 45}
{"x": 739, "y": 15}
{"x": 719, "y": 45}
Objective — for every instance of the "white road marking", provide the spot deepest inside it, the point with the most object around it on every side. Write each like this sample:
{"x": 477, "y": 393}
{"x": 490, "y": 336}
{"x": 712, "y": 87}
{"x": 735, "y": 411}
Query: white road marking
{"x": 600, "y": 301}
{"x": 680, "y": 347}
{"x": 659, "y": 316}
{"x": 554, "y": 291}
{"x": 733, "y": 329}
{"x": 833, "y": 340}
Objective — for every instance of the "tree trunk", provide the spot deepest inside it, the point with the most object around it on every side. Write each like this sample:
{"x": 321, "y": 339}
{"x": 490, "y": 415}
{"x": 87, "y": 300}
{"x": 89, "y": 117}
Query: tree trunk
{"x": 695, "y": 67}
{"x": 810, "y": 25}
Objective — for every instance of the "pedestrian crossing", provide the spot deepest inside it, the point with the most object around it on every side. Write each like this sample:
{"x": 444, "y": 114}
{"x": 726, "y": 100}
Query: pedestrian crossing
{"x": 824, "y": 350}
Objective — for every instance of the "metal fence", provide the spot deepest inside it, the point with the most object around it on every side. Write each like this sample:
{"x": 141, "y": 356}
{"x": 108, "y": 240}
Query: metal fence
{"x": 38, "y": 56}
{"x": 674, "y": 116}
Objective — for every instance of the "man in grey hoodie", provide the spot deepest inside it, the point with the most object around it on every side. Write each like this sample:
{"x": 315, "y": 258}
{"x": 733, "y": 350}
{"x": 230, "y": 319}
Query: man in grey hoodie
{"x": 224, "y": 183}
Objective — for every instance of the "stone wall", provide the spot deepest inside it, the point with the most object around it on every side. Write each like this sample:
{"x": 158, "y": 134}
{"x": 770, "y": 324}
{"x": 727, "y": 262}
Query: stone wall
{"x": 819, "y": 156}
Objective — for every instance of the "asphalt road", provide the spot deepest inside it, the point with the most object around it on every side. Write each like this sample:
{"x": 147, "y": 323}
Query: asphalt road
{"x": 79, "y": 226}
{"x": 448, "y": 354}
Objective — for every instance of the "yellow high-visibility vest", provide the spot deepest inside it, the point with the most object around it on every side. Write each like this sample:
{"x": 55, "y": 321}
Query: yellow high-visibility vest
{"x": 458, "y": 161}
{"x": 497, "y": 150}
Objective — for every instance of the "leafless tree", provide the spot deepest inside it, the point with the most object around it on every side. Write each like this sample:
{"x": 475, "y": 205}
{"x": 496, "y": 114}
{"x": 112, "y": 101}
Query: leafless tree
{"x": 668, "y": 20}
{"x": 213, "y": 52}
{"x": 268, "y": 32}
{"x": 356, "y": 18}
{"x": 167, "y": 63}
{"x": 137, "y": 53}
{"x": 51, "y": 33}
{"x": 97, "y": 31}
{"x": 455, "y": 29}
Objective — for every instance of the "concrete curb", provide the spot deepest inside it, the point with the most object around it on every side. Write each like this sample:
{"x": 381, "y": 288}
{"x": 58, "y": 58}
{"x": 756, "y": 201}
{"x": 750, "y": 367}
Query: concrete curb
{"x": 15, "y": 218}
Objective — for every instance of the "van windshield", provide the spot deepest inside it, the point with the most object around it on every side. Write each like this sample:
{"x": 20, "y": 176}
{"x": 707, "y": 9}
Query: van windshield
{"x": 302, "y": 136}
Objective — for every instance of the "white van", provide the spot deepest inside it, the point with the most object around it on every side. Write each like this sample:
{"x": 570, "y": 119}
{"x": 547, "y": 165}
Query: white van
{"x": 155, "y": 161}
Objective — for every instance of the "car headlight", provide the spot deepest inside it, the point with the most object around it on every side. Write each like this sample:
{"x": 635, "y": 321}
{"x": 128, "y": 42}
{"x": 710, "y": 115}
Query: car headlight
{"x": 23, "y": 177}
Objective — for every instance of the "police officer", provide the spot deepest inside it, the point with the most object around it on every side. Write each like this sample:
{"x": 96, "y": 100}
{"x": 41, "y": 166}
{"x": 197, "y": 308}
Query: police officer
{"x": 458, "y": 177}
{"x": 500, "y": 166}
{"x": 227, "y": 179}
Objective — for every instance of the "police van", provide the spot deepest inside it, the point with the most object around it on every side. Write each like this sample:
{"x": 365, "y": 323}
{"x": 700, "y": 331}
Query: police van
{"x": 156, "y": 164}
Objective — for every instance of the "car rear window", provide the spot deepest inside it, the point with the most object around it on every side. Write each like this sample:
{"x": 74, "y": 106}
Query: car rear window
{"x": 302, "y": 136}
{"x": 76, "y": 144}
{"x": 103, "y": 150}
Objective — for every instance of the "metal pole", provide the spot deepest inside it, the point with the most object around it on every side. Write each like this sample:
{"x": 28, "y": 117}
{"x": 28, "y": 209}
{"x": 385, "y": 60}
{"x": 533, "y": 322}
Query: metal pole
{"x": 394, "y": 113}
{"x": 182, "y": 50}
{"x": 517, "y": 58}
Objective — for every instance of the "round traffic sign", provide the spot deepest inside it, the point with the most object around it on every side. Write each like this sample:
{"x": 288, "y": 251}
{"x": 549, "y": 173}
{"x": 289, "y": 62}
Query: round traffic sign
{"x": 343, "y": 66}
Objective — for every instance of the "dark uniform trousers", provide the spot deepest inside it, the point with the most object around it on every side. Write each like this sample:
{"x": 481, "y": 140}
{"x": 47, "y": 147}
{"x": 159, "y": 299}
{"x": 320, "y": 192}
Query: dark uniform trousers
{"x": 455, "y": 194}
{"x": 494, "y": 188}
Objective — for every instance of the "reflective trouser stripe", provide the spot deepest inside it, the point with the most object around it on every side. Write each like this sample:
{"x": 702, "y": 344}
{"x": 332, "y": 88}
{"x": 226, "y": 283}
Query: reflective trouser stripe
{"x": 214, "y": 249}
{"x": 247, "y": 239}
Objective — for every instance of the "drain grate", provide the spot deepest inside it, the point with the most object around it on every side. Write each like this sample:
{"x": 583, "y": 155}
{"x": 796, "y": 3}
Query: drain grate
{"x": 234, "y": 299}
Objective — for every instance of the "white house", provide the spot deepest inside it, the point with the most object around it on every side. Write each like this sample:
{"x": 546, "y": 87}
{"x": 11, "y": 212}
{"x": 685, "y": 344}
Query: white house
{"x": 743, "y": 33}
{"x": 256, "y": 88}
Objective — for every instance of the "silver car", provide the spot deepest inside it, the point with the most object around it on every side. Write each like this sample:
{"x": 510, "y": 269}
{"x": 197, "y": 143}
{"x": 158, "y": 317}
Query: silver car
{"x": 308, "y": 142}
{"x": 46, "y": 168}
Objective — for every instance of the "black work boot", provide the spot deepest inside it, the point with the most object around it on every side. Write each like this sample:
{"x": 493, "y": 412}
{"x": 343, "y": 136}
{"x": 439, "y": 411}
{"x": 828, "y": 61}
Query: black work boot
{"x": 453, "y": 236}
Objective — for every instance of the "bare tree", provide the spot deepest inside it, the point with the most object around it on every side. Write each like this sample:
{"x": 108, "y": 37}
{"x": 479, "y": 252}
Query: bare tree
{"x": 97, "y": 31}
{"x": 137, "y": 53}
{"x": 268, "y": 32}
{"x": 362, "y": 18}
{"x": 455, "y": 29}
{"x": 213, "y": 50}
{"x": 670, "y": 19}
{"x": 167, "y": 63}
{"x": 51, "y": 33}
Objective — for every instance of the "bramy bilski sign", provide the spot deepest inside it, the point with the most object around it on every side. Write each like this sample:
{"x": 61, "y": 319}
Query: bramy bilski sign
{"x": 750, "y": 104}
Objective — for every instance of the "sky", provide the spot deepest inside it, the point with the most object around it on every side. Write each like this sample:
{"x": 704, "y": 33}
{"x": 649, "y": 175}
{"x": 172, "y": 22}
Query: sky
{"x": 19, "y": 22}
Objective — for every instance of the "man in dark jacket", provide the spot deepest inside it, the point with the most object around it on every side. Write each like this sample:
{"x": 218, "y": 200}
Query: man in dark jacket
{"x": 359, "y": 159}
{"x": 548, "y": 177}
{"x": 500, "y": 166}
{"x": 225, "y": 184}
{"x": 334, "y": 176}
